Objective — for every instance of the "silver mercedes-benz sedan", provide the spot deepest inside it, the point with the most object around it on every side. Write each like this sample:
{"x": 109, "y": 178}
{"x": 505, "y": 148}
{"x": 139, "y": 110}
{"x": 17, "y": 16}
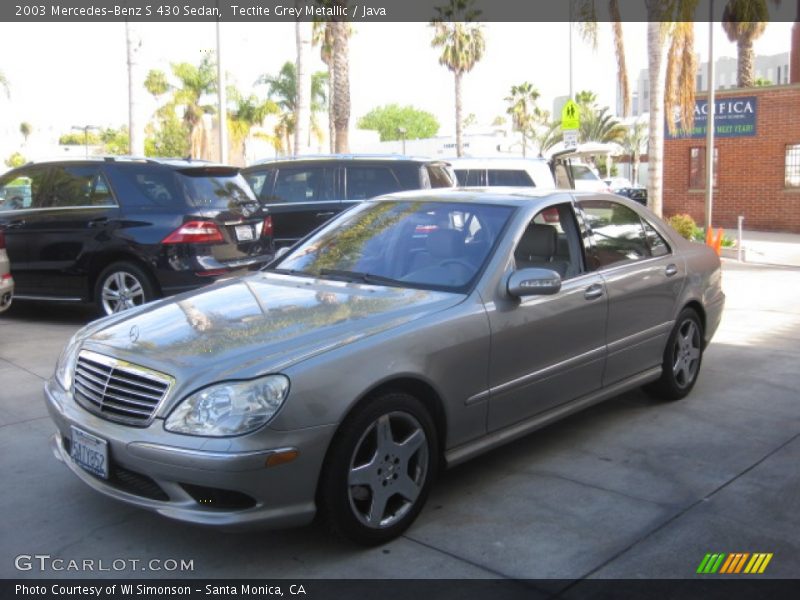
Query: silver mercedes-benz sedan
{"x": 411, "y": 333}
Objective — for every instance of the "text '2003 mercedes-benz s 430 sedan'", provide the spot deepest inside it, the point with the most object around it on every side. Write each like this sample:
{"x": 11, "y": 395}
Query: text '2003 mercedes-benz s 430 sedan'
{"x": 411, "y": 333}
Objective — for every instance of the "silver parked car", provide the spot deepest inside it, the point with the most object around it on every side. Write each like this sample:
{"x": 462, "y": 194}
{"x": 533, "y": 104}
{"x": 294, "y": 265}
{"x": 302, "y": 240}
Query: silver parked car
{"x": 413, "y": 332}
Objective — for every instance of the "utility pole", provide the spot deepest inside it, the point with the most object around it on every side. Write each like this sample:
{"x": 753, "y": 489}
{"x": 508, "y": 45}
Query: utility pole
{"x": 221, "y": 102}
{"x": 710, "y": 122}
{"x": 85, "y": 129}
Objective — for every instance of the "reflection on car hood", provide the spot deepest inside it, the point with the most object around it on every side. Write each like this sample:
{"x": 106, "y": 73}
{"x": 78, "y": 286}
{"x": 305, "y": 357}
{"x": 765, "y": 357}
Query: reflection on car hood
{"x": 257, "y": 324}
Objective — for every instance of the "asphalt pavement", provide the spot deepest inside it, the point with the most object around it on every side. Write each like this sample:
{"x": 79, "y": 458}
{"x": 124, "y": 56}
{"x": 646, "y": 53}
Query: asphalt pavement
{"x": 631, "y": 488}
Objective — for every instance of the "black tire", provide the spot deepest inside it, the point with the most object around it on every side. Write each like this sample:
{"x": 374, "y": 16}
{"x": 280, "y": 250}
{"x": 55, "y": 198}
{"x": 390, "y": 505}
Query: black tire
{"x": 683, "y": 356}
{"x": 129, "y": 280}
{"x": 347, "y": 507}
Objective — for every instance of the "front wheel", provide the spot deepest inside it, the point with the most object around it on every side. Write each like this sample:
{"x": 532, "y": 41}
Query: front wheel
{"x": 682, "y": 358}
{"x": 121, "y": 286}
{"x": 379, "y": 470}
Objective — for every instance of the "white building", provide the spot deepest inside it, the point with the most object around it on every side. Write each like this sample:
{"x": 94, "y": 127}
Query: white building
{"x": 774, "y": 68}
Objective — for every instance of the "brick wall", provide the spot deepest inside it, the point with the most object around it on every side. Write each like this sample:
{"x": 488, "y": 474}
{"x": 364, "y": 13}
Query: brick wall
{"x": 751, "y": 170}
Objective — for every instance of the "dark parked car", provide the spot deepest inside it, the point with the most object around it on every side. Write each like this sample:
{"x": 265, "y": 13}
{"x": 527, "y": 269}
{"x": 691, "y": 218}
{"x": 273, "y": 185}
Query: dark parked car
{"x": 121, "y": 232}
{"x": 303, "y": 193}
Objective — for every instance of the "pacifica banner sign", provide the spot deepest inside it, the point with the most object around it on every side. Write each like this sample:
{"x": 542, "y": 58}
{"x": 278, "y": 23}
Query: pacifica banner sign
{"x": 733, "y": 117}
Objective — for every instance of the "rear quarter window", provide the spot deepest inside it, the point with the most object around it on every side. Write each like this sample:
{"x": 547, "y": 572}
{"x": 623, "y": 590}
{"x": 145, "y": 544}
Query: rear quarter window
{"x": 509, "y": 177}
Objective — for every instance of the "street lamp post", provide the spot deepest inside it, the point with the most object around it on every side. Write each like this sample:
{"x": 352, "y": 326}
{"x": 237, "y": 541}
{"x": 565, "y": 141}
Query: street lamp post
{"x": 403, "y": 131}
{"x": 85, "y": 129}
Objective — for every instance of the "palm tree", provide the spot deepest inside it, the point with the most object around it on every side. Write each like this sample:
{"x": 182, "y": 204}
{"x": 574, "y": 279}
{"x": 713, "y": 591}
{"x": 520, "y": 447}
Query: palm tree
{"x": 282, "y": 90}
{"x": 634, "y": 143}
{"x": 4, "y": 85}
{"x": 25, "y": 129}
{"x": 341, "y": 82}
{"x": 323, "y": 36}
{"x": 302, "y": 116}
{"x": 195, "y": 82}
{"x": 462, "y": 43}
{"x": 745, "y": 21}
{"x": 601, "y": 126}
{"x": 522, "y": 108}
{"x": 247, "y": 112}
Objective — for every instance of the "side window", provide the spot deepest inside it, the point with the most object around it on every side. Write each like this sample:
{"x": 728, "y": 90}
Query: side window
{"x": 509, "y": 177}
{"x": 23, "y": 190}
{"x": 303, "y": 184}
{"x": 368, "y": 182}
{"x": 439, "y": 177}
{"x": 551, "y": 241}
{"x": 101, "y": 193}
{"x": 469, "y": 177}
{"x": 260, "y": 181}
{"x": 617, "y": 232}
{"x": 74, "y": 186}
{"x": 656, "y": 244}
{"x": 562, "y": 177}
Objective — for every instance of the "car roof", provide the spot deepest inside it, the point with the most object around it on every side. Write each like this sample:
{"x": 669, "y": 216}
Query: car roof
{"x": 496, "y": 162}
{"x": 511, "y": 196}
{"x": 347, "y": 158}
{"x": 178, "y": 163}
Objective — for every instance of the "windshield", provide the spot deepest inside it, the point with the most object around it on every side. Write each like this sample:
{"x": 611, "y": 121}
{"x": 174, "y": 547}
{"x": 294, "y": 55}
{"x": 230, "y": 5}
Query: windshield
{"x": 428, "y": 244}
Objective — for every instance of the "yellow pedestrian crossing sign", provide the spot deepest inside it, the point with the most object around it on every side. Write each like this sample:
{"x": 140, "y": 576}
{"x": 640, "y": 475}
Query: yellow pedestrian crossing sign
{"x": 570, "y": 116}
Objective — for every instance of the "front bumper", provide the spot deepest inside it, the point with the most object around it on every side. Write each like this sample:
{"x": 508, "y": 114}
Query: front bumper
{"x": 198, "y": 480}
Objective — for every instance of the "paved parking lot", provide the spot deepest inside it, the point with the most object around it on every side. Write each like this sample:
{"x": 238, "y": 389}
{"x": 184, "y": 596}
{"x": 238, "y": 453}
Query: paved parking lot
{"x": 630, "y": 488}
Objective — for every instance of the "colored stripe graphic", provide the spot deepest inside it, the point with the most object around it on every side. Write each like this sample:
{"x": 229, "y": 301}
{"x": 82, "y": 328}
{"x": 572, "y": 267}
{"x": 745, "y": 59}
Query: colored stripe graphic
{"x": 734, "y": 563}
{"x": 711, "y": 563}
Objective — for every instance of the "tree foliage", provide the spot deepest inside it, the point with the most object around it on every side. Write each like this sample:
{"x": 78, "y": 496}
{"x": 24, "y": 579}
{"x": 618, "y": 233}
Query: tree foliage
{"x": 15, "y": 160}
{"x": 387, "y": 120}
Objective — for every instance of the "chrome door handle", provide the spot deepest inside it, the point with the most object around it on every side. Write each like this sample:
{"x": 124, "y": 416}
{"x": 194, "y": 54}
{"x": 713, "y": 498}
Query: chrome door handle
{"x": 593, "y": 291}
{"x": 671, "y": 270}
{"x": 326, "y": 214}
{"x": 98, "y": 222}
{"x": 15, "y": 224}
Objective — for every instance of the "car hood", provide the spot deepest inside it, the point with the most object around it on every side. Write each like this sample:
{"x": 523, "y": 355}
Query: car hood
{"x": 256, "y": 324}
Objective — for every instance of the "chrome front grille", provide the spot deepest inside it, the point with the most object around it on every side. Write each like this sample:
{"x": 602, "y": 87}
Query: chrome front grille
{"x": 117, "y": 390}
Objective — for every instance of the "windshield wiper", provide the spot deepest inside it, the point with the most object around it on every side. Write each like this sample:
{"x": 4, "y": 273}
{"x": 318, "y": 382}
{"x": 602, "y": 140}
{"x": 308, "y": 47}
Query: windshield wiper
{"x": 296, "y": 272}
{"x": 357, "y": 276}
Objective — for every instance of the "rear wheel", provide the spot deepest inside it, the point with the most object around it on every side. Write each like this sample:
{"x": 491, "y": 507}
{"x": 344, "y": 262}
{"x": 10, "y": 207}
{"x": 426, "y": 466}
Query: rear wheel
{"x": 379, "y": 470}
{"x": 121, "y": 286}
{"x": 682, "y": 358}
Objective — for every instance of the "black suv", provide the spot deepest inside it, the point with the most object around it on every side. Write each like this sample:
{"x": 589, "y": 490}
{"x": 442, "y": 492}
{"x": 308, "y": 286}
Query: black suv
{"x": 121, "y": 232}
{"x": 301, "y": 194}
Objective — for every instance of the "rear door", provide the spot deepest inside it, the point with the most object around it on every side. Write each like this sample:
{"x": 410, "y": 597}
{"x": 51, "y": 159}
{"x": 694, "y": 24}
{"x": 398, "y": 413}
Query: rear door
{"x": 643, "y": 278}
{"x": 299, "y": 198}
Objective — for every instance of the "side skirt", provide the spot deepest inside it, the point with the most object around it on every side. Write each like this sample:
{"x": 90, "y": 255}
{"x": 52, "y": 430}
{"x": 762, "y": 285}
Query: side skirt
{"x": 498, "y": 438}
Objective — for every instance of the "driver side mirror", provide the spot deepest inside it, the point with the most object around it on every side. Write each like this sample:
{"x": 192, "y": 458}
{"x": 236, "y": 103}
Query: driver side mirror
{"x": 533, "y": 282}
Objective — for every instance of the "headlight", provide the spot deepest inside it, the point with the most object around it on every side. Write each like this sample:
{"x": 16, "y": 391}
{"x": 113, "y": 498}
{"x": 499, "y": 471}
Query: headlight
{"x": 65, "y": 367}
{"x": 230, "y": 408}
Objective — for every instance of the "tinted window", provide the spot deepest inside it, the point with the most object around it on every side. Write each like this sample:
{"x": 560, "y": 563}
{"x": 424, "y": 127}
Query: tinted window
{"x": 260, "y": 181}
{"x": 469, "y": 177}
{"x": 439, "y": 176}
{"x": 22, "y": 190}
{"x": 303, "y": 184}
{"x": 617, "y": 232}
{"x": 214, "y": 188}
{"x": 368, "y": 182}
{"x": 658, "y": 245}
{"x": 158, "y": 185}
{"x": 439, "y": 245}
{"x": 509, "y": 177}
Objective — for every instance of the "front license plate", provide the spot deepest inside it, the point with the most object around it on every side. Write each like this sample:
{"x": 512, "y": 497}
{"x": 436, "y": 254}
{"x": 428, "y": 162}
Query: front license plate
{"x": 244, "y": 233}
{"x": 90, "y": 452}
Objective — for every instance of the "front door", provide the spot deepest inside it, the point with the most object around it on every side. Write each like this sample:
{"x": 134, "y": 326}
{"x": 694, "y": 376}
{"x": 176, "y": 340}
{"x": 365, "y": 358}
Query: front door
{"x": 547, "y": 350}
